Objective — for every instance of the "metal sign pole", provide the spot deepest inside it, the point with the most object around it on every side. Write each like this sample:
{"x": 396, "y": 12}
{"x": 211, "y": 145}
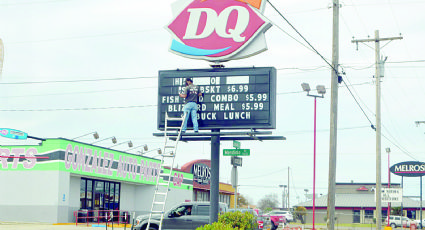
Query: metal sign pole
{"x": 421, "y": 206}
{"x": 215, "y": 175}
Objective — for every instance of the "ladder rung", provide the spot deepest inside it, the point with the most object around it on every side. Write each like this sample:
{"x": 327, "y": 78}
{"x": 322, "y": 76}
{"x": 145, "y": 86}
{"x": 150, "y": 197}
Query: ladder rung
{"x": 175, "y": 118}
{"x": 161, "y": 193}
{"x": 157, "y": 212}
{"x": 169, "y": 146}
{"x": 159, "y": 202}
{"x": 173, "y": 127}
{"x": 163, "y": 183}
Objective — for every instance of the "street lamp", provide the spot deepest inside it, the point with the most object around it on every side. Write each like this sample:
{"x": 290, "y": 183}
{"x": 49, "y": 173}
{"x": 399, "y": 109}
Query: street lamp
{"x": 321, "y": 90}
{"x": 95, "y": 135}
{"x": 388, "y": 150}
{"x": 130, "y": 144}
{"x": 306, "y": 191}
{"x": 145, "y": 147}
{"x": 159, "y": 151}
{"x": 114, "y": 140}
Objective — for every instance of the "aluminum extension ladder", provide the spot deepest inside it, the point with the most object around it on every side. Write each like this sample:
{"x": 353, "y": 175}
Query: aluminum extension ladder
{"x": 167, "y": 162}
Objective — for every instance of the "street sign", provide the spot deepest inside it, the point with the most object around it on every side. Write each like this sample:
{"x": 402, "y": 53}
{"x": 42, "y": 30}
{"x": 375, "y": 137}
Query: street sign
{"x": 236, "y": 152}
{"x": 13, "y": 134}
{"x": 392, "y": 195}
{"x": 236, "y": 161}
{"x": 236, "y": 144}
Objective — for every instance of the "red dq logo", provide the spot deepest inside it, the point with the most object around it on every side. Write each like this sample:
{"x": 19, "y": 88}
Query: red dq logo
{"x": 218, "y": 30}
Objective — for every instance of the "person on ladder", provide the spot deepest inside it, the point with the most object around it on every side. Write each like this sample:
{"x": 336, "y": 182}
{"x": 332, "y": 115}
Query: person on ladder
{"x": 191, "y": 93}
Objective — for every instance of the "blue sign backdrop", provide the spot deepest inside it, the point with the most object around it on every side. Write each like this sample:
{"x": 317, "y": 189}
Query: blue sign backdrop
{"x": 13, "y": 134}
{"x": 409, "y": 169}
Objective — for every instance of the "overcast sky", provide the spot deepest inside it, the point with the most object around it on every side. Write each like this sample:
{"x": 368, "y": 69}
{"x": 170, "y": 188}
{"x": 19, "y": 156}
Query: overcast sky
{"x": 76, "y": 66}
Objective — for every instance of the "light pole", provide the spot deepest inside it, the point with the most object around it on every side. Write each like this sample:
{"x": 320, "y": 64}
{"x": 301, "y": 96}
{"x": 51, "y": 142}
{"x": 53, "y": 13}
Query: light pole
{"x": 388, "y": 150}
{"x": 321, "y": 90}
{"x": 417, "y": 125}
{"x": 1, "y": 56}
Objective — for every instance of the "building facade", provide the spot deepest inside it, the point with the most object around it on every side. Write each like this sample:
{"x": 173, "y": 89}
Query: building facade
{"x": 355, "y": 203}
{"x": 49, "y": 182}
{"x": 201, "y": 171}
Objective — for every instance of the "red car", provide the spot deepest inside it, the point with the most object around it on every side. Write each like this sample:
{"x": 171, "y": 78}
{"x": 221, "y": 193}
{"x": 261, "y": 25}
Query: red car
{"x": 275, "y": 220}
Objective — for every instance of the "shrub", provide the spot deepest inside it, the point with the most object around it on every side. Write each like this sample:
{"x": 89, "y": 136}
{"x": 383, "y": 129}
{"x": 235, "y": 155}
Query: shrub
{"x": 216, "y": 226}
{"x": 239, "y": 220}
{"x": 232, "y": 220}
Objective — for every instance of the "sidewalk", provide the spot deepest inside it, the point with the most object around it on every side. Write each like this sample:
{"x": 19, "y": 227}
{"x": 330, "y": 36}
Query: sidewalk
{"x": 46, "y": 226}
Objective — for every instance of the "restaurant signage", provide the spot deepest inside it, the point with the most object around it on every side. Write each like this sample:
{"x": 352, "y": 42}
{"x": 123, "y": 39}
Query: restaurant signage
{"x": 409, "y": 169}
{"x": 221, "y": 30}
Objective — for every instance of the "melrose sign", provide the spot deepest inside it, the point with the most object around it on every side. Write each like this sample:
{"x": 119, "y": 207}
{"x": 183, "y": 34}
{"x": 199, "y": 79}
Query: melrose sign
{"x": 218, "y": 30}
{"x": 409, "y": 169}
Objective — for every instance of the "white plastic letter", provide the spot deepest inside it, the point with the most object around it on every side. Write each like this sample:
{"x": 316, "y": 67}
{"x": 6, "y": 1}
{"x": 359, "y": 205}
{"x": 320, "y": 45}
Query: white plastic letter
{"x": 241, "y": 23}
{"x": 193, "y": 23}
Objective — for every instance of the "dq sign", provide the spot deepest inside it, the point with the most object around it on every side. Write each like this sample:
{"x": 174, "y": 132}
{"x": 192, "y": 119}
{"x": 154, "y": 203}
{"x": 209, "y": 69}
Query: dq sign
{"x": 218, "y": 30}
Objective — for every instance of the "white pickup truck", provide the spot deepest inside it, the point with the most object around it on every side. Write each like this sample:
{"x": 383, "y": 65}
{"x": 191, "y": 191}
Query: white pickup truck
{"x": 187, "y": 215}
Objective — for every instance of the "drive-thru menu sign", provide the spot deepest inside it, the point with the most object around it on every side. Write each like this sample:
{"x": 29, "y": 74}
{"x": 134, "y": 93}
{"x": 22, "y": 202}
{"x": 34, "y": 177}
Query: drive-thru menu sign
{"x": 234, "y": 98}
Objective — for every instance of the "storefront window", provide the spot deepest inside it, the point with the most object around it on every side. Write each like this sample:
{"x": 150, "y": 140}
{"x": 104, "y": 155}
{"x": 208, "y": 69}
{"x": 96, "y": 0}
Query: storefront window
{"x": 106, "y": 194}
{"x": 111, "y": 195}
{"x": 117, "y": 196}
{"x": 83, "y": 189}
{"x": 368, "y": 214}
{"x": 89, "y": 191}
{"x": 356, "y": 216}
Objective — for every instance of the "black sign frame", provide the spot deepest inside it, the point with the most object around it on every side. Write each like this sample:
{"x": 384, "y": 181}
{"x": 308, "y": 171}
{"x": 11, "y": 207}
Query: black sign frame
{"x": 234, "y": 98}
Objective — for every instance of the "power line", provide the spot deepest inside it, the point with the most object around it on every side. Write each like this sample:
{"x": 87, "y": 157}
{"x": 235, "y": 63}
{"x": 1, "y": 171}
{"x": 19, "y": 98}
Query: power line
{"x": 76, "y": 93}
{"x": 317, "y": 52}
{"x": 83, "y": 37}
{"x": 371, "y": 124}
{"x": 72, "y": 81}
{"x": 76, "y": 109}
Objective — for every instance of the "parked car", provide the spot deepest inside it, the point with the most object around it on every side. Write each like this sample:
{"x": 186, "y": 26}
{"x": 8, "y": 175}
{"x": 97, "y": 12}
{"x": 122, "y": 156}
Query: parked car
{"x": 276, "y": 219}
{"x": 263, "y": 222}
{"x": 398, "y": 221}
{"x": 419, "y": 224}
{"x": 287, "y": 214}
{"x": 187, "y": 215}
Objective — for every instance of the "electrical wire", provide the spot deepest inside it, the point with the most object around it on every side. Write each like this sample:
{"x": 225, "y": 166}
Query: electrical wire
{"x": 371, "y": 124}
{"x": 77, "y": 109}
{"x": 73, "y": 81}
{"x": 305, "y": 40}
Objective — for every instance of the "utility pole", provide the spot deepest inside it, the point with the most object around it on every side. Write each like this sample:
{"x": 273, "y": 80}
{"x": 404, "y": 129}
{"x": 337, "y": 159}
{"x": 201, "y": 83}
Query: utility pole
{"x": 289, "y": 207}
{"x": 333, "y": 117}
{"x": 378, "y": 63}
